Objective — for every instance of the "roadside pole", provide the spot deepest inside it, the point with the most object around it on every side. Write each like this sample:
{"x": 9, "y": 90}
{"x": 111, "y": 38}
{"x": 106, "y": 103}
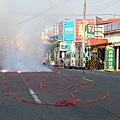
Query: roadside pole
{"x": 84, "y": 28}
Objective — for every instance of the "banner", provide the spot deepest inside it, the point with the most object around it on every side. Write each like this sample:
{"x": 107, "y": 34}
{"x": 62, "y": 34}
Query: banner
{"x": 109, "y": 58}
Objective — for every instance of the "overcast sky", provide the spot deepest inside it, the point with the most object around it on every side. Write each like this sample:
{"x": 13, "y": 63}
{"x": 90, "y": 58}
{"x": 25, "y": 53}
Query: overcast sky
{"x": 35, "y": 15}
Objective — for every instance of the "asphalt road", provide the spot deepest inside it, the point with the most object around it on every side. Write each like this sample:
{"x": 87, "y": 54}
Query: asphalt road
{"x": 64, "y": 94}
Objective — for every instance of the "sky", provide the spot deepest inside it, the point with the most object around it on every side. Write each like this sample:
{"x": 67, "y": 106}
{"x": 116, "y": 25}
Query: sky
{"x": 37, "y": 14}
{"x": 31, "y": 16}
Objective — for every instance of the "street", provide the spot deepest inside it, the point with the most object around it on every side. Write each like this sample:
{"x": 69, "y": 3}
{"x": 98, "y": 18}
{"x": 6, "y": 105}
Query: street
{"x": 63, "y": 94}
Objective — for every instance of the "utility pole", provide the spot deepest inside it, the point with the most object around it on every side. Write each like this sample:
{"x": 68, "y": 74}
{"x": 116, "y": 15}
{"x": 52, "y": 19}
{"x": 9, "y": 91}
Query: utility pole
{"x": 84, "y": 28}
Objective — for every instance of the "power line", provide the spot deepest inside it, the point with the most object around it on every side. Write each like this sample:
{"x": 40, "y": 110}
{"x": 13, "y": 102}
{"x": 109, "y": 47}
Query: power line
{"x": 44, "y": 12}
{"x": 76, "y": 14}
{"x": 75, "y": 8}
{"x": 97, "y": 8}
{"x": 62, "y": 2}
{"x": 104, "y": 6}
{"x": 95, "y": 2}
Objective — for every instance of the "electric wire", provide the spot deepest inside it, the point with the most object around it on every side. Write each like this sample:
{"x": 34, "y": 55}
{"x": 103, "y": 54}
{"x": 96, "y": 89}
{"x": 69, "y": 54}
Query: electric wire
{"x": 75, "y": 8}
{"x": 95, "y": 2}
{"x": 61, "y": 2}
{"x": 57, "y": 15}
{"x": 103, "y": 6}
{"x": 96, "y": 8}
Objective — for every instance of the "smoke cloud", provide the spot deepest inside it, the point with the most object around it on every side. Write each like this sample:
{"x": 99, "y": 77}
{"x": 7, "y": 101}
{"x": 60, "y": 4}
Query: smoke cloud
{"x": 20, "y": 21}
{"x": 17, "y": 60}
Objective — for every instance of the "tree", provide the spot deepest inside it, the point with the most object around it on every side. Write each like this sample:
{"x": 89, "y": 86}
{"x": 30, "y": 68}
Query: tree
{"x": 51, "y": 47}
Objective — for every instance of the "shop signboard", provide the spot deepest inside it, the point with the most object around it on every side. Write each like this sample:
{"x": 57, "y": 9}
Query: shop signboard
{"x": 90, "y": 29}
{"x": 79, "y": 31}
{"x": 59, "y": 37}
{"x": 109, "y": 58}
{"x": 69, "y": 32}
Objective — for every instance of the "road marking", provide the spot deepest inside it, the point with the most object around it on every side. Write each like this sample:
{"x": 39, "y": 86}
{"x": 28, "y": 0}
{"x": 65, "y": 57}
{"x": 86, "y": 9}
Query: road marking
{"x": 64, "y": 74}
{"x": 88, "y": 79}
{"x": 35, "y": 97}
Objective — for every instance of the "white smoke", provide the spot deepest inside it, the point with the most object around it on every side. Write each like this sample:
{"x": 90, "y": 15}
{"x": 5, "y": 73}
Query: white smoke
{"x": 17, "y": 60}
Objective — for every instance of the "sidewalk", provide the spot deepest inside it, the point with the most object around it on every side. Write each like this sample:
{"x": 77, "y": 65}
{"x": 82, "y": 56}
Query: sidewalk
{"x": 108, "y": 71}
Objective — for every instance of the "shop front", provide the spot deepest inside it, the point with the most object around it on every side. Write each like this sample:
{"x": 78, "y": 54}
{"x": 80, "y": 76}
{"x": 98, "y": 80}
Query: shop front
{"x": 95, "y": 55}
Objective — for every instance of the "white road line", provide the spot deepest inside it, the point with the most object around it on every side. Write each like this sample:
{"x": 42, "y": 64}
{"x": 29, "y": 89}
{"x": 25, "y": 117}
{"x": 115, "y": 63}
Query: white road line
{"x": 35, "y": 97}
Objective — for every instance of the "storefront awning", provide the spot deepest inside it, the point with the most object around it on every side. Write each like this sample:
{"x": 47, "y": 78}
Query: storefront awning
{"x": 97, "y": 42}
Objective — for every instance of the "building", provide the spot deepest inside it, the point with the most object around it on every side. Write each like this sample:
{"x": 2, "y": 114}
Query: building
{"x": 107, "y": 37}
{"x": 112, "y": 33}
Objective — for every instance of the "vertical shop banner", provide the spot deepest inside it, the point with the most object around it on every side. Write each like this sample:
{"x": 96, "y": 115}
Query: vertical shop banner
{"x": 78, "y": 54}
{"x": 79, "y": 31}
{"x": 109, "y": 58}
{"x": 61, "y": 28}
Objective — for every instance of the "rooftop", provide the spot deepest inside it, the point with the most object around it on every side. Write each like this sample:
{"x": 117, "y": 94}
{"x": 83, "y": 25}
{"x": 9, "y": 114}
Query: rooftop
{"x": 109, "y": 21}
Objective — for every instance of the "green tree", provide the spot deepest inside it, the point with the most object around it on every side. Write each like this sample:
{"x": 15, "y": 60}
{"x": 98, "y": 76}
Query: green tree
{"x": 52, "y": 46}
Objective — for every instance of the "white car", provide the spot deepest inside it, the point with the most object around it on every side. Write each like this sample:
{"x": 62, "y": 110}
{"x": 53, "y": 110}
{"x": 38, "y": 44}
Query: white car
{"x": 52, "y": 62}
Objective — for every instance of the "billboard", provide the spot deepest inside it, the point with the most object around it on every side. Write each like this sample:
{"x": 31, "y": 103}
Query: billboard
{"x": 79, "y": 29}
{"x": 69, "y": 30}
